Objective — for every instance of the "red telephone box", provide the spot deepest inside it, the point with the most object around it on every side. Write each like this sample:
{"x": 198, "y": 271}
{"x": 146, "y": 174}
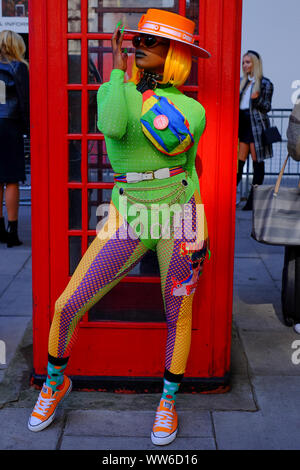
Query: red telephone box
{"x": 70, "y": 57}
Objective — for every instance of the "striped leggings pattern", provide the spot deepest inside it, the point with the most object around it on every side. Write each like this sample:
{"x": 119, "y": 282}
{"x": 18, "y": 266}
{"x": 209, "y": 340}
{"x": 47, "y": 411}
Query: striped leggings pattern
{"x": 108, "y": 259}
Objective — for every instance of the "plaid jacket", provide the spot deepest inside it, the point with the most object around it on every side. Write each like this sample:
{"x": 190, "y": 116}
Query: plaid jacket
{"x": 259, "y": 108}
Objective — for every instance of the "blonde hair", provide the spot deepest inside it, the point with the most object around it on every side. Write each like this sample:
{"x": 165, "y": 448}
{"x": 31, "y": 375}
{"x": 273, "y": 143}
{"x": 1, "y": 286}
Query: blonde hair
{"x": 177, "y": 67}
{"x": 257, "y": 72}
{"x": 12, "y": 47}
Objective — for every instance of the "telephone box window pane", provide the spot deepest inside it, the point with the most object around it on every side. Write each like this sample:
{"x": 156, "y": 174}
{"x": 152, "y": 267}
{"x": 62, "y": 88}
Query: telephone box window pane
{"x": 99, "y": 168}
{"x": 75, "y": 209}
{"x": 192, "y": 12}
{"x": 192, "y": 94}
{"x": 98, "y": 202}
{"x": 92, "y": 111}
{"x": 129, "y": 19}
{"x": 74, "y": 16}
{"x": 74, "y": 253}
{"x": 74, "y": 61}
{"x": 148, "y": 266}
{"x": 143, "y": 304}
{"x": 193, "y": 77}
{"x": 95, "y": 51}
{"x": 74, "y": 97}
{"x": 100, "y": 60}
{"x": 75, "y": 160}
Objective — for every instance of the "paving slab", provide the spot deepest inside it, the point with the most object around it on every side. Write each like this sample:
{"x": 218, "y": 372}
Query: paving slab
{"x": 242, "y": 431}
{"x": 254, "y": 316}
{"x": 17, "y": 374}
{"x": 238, "y": 359}
{"x": 243, "y": 248}
{"x": 243, "y": 224}
{"x": 274, "y": 264}
{"x": 17, "y": 298}
{"x": 274, "y": 427}
{"x": 18, "y": 437}
{"x": 13, "y": 259}
{"x": 12, "y": 330}
{"x": 263, "y": 248}
{"x": 279, "y": 397}
{"x": 134, "y": 443}
{"x": 259, "y": 294}
{"x": 5, "y": 280}
{"x": 271, "y": 354}
{"x": 103, "y": 423}
{"x": 251, "y": 272}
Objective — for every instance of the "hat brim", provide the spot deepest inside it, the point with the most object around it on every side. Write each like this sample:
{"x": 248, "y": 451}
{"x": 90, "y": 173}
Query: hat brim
{"x": 196, "y": 50}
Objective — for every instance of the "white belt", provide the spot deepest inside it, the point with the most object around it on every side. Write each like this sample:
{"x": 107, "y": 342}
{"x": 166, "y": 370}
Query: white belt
{"x": 134, "y": 177}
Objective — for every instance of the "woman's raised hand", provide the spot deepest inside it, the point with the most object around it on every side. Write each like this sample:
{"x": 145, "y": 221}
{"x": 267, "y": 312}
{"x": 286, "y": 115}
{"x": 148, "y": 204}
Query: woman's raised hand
{"x": 255, "y": 95}
{"x": 119, "y": 57}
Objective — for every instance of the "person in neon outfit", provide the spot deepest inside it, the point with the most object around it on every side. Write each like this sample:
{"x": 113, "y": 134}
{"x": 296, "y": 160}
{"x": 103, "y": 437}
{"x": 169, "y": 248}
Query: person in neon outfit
{"x": 151, "y": 132}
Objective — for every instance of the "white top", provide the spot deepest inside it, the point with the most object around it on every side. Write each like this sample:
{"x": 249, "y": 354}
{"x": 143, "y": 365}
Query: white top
{"x": 244, "y": 104}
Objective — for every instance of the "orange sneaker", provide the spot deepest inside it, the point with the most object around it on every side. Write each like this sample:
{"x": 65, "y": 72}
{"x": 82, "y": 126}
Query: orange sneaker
{"x": 44, "y": 411}
{"x": 166, "y": 423}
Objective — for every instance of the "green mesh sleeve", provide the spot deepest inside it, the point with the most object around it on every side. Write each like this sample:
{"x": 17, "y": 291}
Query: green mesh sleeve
{"x": 112, "y": 107}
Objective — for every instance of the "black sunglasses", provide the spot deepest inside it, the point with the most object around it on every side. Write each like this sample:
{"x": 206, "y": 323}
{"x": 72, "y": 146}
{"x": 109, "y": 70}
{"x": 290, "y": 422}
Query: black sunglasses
{"x": 148, "y": 41}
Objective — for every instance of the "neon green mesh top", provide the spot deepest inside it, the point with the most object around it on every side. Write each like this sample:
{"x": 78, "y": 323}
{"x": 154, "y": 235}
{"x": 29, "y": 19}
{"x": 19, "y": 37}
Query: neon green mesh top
{"x": 128, "y": 149}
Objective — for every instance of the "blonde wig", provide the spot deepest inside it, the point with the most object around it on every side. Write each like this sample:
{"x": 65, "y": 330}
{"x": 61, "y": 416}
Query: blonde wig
{"x": 177, "y": 65}
{"x": 257, "y": 71}
{"x": 12, "y": 47}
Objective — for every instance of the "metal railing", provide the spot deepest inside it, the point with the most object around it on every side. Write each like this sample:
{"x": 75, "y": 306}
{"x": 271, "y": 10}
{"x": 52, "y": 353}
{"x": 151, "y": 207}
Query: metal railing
{"x": 278, "y": 117}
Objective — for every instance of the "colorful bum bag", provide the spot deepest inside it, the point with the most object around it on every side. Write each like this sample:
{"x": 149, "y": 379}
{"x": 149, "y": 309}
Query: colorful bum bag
{"x": 165, "y": 125}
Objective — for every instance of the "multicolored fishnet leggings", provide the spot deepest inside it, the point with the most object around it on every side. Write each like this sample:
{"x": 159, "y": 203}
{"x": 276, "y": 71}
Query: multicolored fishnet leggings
{"x": 108, "y": 259}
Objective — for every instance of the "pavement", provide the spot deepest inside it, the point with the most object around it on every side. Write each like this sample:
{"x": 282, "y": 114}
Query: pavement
{"x": 260, "y": 412}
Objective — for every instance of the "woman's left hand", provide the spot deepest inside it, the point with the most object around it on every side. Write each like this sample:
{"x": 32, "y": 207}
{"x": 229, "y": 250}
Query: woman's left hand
{"x": 255, "y": 95}
{"x": 119, "y": 57}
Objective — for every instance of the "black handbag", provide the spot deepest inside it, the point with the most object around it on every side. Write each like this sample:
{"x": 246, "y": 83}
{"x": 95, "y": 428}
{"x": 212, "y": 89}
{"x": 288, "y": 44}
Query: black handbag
{"x": 270, "y": 135}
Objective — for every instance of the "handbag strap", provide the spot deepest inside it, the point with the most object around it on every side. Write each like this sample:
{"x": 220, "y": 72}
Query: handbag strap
{"x": 278, "y": 182}
{"x": 262, "y": 121}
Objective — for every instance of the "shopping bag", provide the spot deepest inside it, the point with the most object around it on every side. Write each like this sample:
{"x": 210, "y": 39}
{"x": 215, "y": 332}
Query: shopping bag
{"x": 276, "y": 213}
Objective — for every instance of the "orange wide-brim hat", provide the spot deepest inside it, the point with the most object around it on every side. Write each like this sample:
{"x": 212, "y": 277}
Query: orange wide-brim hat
{"x": 171, "y": 26}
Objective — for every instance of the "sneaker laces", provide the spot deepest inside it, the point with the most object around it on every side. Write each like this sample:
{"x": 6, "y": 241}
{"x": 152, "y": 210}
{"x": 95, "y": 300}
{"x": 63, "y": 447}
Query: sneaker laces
{"x": 43, "y": 404}
{"x": 164, "y": 419}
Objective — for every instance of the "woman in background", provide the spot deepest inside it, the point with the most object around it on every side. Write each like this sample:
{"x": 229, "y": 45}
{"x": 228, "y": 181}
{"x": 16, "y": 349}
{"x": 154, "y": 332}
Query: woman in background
{"x": 14, "y": 122}
{"x": 256, "y": 93}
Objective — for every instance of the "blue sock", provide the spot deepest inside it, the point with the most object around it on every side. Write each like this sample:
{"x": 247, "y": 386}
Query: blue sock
{"x": 55, "y": 376}
{"x": 170, "y": 390}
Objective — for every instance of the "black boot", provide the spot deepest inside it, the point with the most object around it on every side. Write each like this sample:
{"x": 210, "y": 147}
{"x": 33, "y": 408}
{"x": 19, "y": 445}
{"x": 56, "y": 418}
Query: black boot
{"x": 12, "y": 234}
{"x": 258, "y": 173}
{"x": 239, "y": 175}
{"x": 249, "y": 204}
{"x": 3, "y": 232}
{"x": 258, "y": 178}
